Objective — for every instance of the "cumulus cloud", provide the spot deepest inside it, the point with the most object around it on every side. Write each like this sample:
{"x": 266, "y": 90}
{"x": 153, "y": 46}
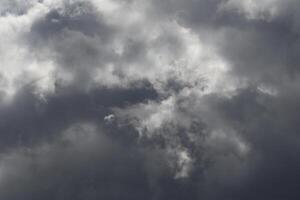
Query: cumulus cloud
{"x": 167, "y": 99}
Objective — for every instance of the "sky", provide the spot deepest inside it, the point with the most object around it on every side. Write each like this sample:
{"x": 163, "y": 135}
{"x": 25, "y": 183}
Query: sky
{"x": 149, "y": 99}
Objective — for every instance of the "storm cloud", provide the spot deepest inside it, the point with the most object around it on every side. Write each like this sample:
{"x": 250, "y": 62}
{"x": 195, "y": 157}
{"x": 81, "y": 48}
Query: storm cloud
{"x": 158, "y": 99}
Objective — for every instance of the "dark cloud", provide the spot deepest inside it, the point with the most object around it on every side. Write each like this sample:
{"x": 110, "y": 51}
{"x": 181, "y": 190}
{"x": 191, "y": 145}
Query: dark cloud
{"x": 88, "y": 164}
{"x": 78, "y": 16}
{"x": 167, "y": 99}
{"x": 29, "y": 119}
{"x": 77, "y": 37}
{"x": 270, "y": 169}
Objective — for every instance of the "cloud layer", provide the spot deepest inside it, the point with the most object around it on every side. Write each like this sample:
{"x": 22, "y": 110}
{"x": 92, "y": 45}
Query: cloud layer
{"x": 136, "y": 99}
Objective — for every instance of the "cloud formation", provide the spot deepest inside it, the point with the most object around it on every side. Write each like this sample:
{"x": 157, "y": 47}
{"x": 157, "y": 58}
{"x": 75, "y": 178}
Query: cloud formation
{"x": 136, "y": 99}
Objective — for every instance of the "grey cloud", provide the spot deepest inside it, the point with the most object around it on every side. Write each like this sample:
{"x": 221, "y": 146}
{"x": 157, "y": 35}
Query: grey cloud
{"x": 29, "y": 120}
{"x": 76, "y": 37}
{"x": 88, "y": 164}
{"x": 16, "y": 7}
{"x": 78, "y": 16}
{"x": 270, "y": 169}
{"x": 260, "y": 49}
{"x": 83, "y": 41}
{"x": 203, "y": 93}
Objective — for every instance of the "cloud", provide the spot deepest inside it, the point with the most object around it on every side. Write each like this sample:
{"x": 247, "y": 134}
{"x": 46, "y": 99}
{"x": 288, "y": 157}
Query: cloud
{"x": 164, "y": 99}
{"x": 29, "y": 119}
{"x": 85, "y": 163}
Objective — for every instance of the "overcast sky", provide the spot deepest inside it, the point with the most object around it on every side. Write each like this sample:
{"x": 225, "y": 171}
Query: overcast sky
{"x": 149, "y": 99}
